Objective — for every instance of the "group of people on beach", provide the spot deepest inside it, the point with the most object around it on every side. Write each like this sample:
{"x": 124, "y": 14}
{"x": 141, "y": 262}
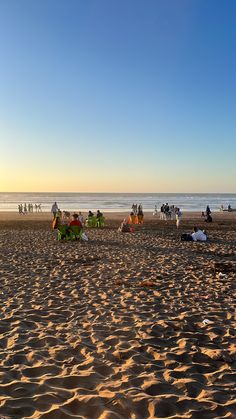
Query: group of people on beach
{"x": 29, "y": 208}
{"x": 69, "y": 228}
{"x": 136, "y": 209}
{"x": 136, "y": 216}
{"x": 64, "y": 218}
{"x": 229, "y": 208}
{"x": 167, "y": 212}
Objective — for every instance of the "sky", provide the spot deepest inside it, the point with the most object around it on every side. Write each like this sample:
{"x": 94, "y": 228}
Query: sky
{"x": 117, "y": 96}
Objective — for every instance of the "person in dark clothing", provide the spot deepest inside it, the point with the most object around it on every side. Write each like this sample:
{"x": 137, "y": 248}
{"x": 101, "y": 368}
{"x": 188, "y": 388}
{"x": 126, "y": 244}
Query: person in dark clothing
{"x": 208, "y": 211}
{"x": 208, "y": 219}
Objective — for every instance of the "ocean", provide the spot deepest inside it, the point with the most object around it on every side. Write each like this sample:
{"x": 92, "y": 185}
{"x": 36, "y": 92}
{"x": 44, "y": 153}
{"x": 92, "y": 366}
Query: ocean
{"x": 115, "y": 202}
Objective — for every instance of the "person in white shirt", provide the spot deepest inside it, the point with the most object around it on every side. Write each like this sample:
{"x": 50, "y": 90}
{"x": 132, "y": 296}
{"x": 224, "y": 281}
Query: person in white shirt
{"x": 198, "y": 235}
{"x": 54, "y": 209}
{"x": 178, "y": 215}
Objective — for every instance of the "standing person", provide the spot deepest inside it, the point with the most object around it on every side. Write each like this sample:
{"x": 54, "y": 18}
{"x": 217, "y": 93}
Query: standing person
{"x": 178, "y": 215}
{"x": 167, "y": 211}
{"x": 25, "y": 209}
{"x": 140, "y": 214}
{"x": 162, "y": 212}
{"x": 39, "y": 208}
{"x": 208, "y": 215}
{"x": 54, "y": 209}
{"x": 172, "y": 211}
{"x": 208, "y": 211}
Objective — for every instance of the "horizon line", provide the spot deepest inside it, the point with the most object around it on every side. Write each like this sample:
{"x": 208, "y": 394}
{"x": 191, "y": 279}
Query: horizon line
{"x": 128, "y": 193}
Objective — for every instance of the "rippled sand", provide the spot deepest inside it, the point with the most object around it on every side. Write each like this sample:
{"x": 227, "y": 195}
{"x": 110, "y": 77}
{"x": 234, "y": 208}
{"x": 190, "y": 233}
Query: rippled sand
{"x": 114, "y": 328}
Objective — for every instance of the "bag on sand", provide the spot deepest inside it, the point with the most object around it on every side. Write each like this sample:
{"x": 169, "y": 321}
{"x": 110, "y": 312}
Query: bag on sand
{"x": 185, "y": 237}
{"x": 84, "y": 237}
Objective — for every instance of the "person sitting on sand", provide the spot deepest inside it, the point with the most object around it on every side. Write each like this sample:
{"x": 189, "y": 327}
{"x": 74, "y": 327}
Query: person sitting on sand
{"x": 198, "y": 235}
{"x": 99, "y": 214}
{"x": 132, "y": 218}
{"x": 124, "y": 227}
{"x": 209, "y": 218}
{"x": 75, "y": 221}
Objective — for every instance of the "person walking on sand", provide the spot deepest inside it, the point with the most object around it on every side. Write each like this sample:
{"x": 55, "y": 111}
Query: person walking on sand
{"x": 54, "y": 209}
{"x": 178, "y": 215}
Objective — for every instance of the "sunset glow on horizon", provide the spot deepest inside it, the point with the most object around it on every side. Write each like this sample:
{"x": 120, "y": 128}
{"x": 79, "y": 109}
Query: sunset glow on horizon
{"x": 118, "y": 96}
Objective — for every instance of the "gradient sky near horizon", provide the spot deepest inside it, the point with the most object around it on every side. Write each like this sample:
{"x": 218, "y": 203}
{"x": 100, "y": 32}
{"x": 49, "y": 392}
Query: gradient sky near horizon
{"x": 118, "y": 96}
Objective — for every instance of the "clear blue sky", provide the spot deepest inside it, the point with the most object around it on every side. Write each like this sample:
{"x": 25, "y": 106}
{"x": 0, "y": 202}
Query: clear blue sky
{"x": 118, "y": 95}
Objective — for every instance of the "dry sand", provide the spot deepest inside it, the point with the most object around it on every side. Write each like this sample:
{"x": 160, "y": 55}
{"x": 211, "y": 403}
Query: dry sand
{"x": 114, "y": 328}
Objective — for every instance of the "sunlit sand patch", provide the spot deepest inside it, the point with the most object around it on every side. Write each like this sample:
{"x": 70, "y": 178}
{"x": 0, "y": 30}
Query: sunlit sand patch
{"x": 128, "y": 326}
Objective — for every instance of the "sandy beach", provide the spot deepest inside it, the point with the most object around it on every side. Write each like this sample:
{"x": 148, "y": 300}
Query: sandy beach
{"x": 133, "y": 325}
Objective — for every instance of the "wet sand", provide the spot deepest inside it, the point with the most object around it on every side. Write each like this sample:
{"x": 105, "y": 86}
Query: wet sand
{"x": 122, "y": 326}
